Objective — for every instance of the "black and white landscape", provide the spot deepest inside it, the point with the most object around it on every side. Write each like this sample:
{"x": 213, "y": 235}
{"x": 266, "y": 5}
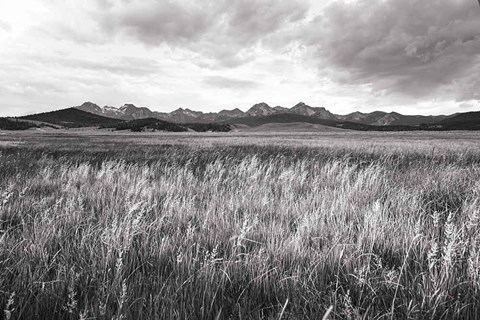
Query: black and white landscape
{"x": 195, "y": 184}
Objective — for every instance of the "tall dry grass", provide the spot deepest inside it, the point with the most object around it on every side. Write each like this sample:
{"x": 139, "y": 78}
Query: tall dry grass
{"x": 238, "y": 233}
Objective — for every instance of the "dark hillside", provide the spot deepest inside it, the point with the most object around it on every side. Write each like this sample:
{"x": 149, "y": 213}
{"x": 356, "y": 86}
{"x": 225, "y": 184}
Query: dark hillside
{"x": 206, "y": 127}
{"x": 461, "y": 118}
{"x": 462, "y": 121}
{"x": 280, "y": 118}
{"x": 147, "y": 124}
{"x": 405, "y": 120}
{"x": 15, "y": 124}
{"x": 153, "y": 124}
{"x": 293, "y": 118}
{"x": 72, "y": 118}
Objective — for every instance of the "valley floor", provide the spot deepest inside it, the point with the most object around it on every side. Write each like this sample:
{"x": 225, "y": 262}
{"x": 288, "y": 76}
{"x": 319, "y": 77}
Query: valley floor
{"x": 240, "y": 225}
{"x": 408, "y": 141}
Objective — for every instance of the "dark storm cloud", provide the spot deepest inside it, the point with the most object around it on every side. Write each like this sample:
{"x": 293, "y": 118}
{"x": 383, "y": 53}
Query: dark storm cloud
{"x": 224, "y": 31}
{"x": 156, "y": 22}
{"x": 417, "y": 48}
{"x": 251, "y": 20}
{"x": 229, "y": 83}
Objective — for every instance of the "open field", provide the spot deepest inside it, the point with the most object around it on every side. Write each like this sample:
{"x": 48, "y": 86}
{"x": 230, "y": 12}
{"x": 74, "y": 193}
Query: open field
{"x": 385, "y": 142}
{"x": 346, "y": 225}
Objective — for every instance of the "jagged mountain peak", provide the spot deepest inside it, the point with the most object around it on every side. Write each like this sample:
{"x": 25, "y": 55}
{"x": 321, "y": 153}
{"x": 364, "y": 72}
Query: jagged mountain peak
{"x": 260, "y": 104}
{"x": 303, "y": 109}
{"x": 88, "y": 104}
{"x": 306, "y": 110}
{"x": 90, "y": 107}
{"x": 260, "y": 109}
{"x": 300, "y": 105}
{"x": 280, "y": 109}
{"x": 128, "y": 106}
{"x": 186, "y": 111}
{"x": 233, "y": 112}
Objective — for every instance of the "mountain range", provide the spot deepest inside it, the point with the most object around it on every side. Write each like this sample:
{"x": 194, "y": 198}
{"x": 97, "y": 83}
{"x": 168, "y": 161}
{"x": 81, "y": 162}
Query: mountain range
{"x": 259, "y": 117}
{"x": 180, "y": 115}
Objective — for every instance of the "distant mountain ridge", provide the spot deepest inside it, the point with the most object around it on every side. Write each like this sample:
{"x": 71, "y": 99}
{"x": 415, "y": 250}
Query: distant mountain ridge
{"x": 181, "y": 115}
{"x": 299, "y": 116}
{"x": 131, "y": 112}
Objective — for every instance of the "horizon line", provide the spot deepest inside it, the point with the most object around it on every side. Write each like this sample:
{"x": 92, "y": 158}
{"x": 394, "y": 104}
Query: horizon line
{"x": 239, "y": 108}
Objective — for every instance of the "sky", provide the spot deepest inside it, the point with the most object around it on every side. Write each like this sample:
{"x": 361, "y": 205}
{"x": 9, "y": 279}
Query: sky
{"x": 409, "y": 56}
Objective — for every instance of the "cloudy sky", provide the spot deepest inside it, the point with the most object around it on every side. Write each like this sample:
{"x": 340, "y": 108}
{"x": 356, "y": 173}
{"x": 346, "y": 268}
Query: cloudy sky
{"x": 412, "y": 56}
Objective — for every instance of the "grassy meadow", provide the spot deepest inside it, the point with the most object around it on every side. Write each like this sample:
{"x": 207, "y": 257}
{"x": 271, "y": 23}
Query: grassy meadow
{"x": 334, "y": 226}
